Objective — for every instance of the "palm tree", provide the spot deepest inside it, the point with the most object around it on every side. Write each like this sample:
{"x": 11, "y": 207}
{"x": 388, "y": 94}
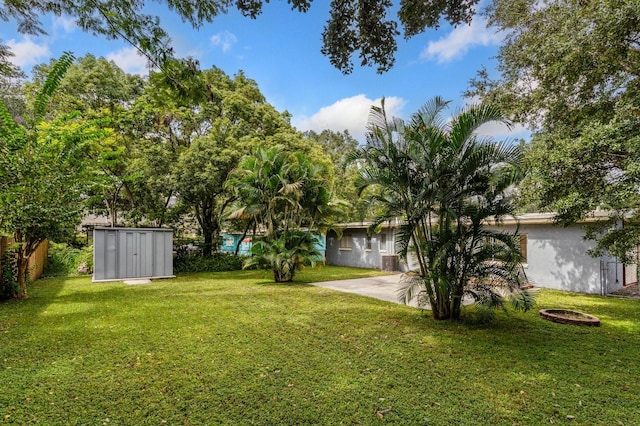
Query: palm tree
{"x": 446, "y": 181}
{"x": 283, "y": 193}
{"x": 265, "y": 187}
{"x": 285, "y": 255}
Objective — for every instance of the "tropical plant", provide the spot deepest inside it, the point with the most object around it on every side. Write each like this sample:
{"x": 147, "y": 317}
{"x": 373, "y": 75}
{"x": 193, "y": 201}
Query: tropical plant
{"x": 285, "y": 254}
{"x": 283, "y": 193}
{"x": 446, "y": 182}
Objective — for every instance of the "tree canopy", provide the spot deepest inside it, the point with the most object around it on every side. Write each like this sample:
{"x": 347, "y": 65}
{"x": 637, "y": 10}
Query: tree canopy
{"x": 571, "y": 71}
{"x": 43, "y": 173}
{"x": 354, "y": 26}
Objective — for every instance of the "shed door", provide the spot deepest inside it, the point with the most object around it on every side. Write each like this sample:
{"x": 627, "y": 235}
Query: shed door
{"x": 136, "y": 254}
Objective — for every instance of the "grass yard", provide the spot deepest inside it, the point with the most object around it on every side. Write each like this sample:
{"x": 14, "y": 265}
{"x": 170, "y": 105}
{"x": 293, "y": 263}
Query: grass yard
{"x": 232, "y": 348}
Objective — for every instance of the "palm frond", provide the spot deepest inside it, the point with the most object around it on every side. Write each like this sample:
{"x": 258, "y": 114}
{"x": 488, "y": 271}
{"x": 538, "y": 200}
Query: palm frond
{"x": 52, "y": 82}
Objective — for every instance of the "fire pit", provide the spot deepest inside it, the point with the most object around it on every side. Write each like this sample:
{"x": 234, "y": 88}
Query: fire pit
{"x": 567, "y": 316}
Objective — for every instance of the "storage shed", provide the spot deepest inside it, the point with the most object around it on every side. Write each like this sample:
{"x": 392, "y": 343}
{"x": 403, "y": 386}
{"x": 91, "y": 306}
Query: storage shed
{"x": 128, "y": 253}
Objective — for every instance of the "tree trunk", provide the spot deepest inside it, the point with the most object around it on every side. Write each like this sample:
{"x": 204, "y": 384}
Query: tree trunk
{"x": 281, "y": 277}
{"x": 246, "y": 229}
{"x": 23, "y": 266}
{"x": 207, "y": 247}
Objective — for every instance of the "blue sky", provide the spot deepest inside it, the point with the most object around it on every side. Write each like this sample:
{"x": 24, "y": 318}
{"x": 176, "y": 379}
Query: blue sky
{"x": 280, "y": 50}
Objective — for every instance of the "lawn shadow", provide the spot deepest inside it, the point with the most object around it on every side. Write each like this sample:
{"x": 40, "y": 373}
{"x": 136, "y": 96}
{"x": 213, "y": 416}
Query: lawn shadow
{"x": 40, "y": 295}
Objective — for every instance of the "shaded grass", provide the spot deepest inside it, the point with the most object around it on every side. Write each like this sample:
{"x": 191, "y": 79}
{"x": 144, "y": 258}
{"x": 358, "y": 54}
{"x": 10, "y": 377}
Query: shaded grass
{"x": 233, "y": 348}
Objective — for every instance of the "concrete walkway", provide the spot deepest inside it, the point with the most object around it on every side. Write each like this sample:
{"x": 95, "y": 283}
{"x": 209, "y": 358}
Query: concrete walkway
{"x": 383, "y": 287}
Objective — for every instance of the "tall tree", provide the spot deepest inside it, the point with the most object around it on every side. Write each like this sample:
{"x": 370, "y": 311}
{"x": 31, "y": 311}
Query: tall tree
{"x": 193, "y": 138}
{"x": 571, "y": 71}
{"x": 11, "y": 78}
{"x": 100, "y": 91}
{"x": 201, "y": 173}
{"x": 42, "y": 174}
{"x": 445, "y": 181}
{"x": 353, "y": 26}
{"x": 339, "y": 146}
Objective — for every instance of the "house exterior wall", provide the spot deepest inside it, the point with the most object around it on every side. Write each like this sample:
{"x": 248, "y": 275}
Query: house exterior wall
{"x": 358, "y": 255}
{"x": 230, "y": 242}
{"x": 557, "y": 258}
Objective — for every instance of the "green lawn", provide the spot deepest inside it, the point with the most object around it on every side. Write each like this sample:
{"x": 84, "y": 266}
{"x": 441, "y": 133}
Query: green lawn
{"x": 232, "y": 348}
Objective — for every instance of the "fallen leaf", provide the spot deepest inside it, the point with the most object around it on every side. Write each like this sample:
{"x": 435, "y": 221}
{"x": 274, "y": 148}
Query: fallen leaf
{"x": 381, "y": 413}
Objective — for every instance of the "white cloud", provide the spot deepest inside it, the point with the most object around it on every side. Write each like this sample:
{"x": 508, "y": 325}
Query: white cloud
{"x": 348, "y": 114}
{"x": 496, "y": 129}
{"x": 460, "y": 40}
{"x": 224, "y": 40}
{"x": 64, "y": 23}
{"x": 130, "y": 60}
{"x": 500, "y": 130}
{"x": 27, "y": 52}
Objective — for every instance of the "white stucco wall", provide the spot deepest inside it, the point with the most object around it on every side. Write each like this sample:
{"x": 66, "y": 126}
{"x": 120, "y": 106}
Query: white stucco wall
{"x": 358, "y": 255}
{"x": 557, "y": 258}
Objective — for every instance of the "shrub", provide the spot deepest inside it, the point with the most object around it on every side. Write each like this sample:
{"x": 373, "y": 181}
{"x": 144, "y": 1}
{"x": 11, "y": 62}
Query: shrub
{"x": 8, "y": 281}
{"x": 195, "y": 262}
{"x": 64, "y": 260}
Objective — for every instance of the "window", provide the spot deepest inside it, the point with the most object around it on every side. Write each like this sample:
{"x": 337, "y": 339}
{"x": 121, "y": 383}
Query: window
{"x": 523, "y": 247}
{"x": 368, "y": 243}
{"x": 345, "y": 242}
{"x": 383, "y": 242}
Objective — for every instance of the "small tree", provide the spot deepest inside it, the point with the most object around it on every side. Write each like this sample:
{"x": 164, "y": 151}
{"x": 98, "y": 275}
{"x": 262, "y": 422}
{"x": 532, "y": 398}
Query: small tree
{"x": 42, "y": 174}
{"x": 446, "y": 182}
{"x": 286, "y": 254}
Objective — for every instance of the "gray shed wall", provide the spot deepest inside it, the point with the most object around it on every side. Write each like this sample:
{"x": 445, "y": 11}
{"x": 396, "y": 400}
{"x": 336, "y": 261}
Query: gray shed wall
{"x": 123, "y": 253}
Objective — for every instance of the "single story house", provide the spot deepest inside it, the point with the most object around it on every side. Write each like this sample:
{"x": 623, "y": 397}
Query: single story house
{"x": 230, "y": 241}
{"x": 555, "y": 257}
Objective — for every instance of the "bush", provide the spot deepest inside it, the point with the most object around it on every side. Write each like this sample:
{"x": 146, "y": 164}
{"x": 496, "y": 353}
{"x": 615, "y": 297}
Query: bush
{"x": 195, "y": 262}
{"x": 64, "y": 260}
{"x": 8, "y": 281}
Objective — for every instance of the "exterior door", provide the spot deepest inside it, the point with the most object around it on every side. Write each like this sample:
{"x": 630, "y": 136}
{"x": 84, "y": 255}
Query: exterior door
{"x": 136, "y": 251}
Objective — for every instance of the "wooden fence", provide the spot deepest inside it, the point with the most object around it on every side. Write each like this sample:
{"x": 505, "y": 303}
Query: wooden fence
{"x": 37, "y": 260}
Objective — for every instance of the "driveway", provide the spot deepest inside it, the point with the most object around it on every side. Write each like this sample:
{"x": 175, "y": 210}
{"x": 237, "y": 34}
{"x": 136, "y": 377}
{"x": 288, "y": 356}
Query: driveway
{"x": 383, "y": 287}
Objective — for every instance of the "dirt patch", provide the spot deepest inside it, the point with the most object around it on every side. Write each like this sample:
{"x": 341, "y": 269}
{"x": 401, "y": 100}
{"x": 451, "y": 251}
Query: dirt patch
{"x": 568, "y": 316}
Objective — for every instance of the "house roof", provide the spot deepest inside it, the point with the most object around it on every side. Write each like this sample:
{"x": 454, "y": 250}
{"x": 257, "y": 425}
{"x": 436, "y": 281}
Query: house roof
{"x": 544, "y": 219}
{"x": 522, "y": 219}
